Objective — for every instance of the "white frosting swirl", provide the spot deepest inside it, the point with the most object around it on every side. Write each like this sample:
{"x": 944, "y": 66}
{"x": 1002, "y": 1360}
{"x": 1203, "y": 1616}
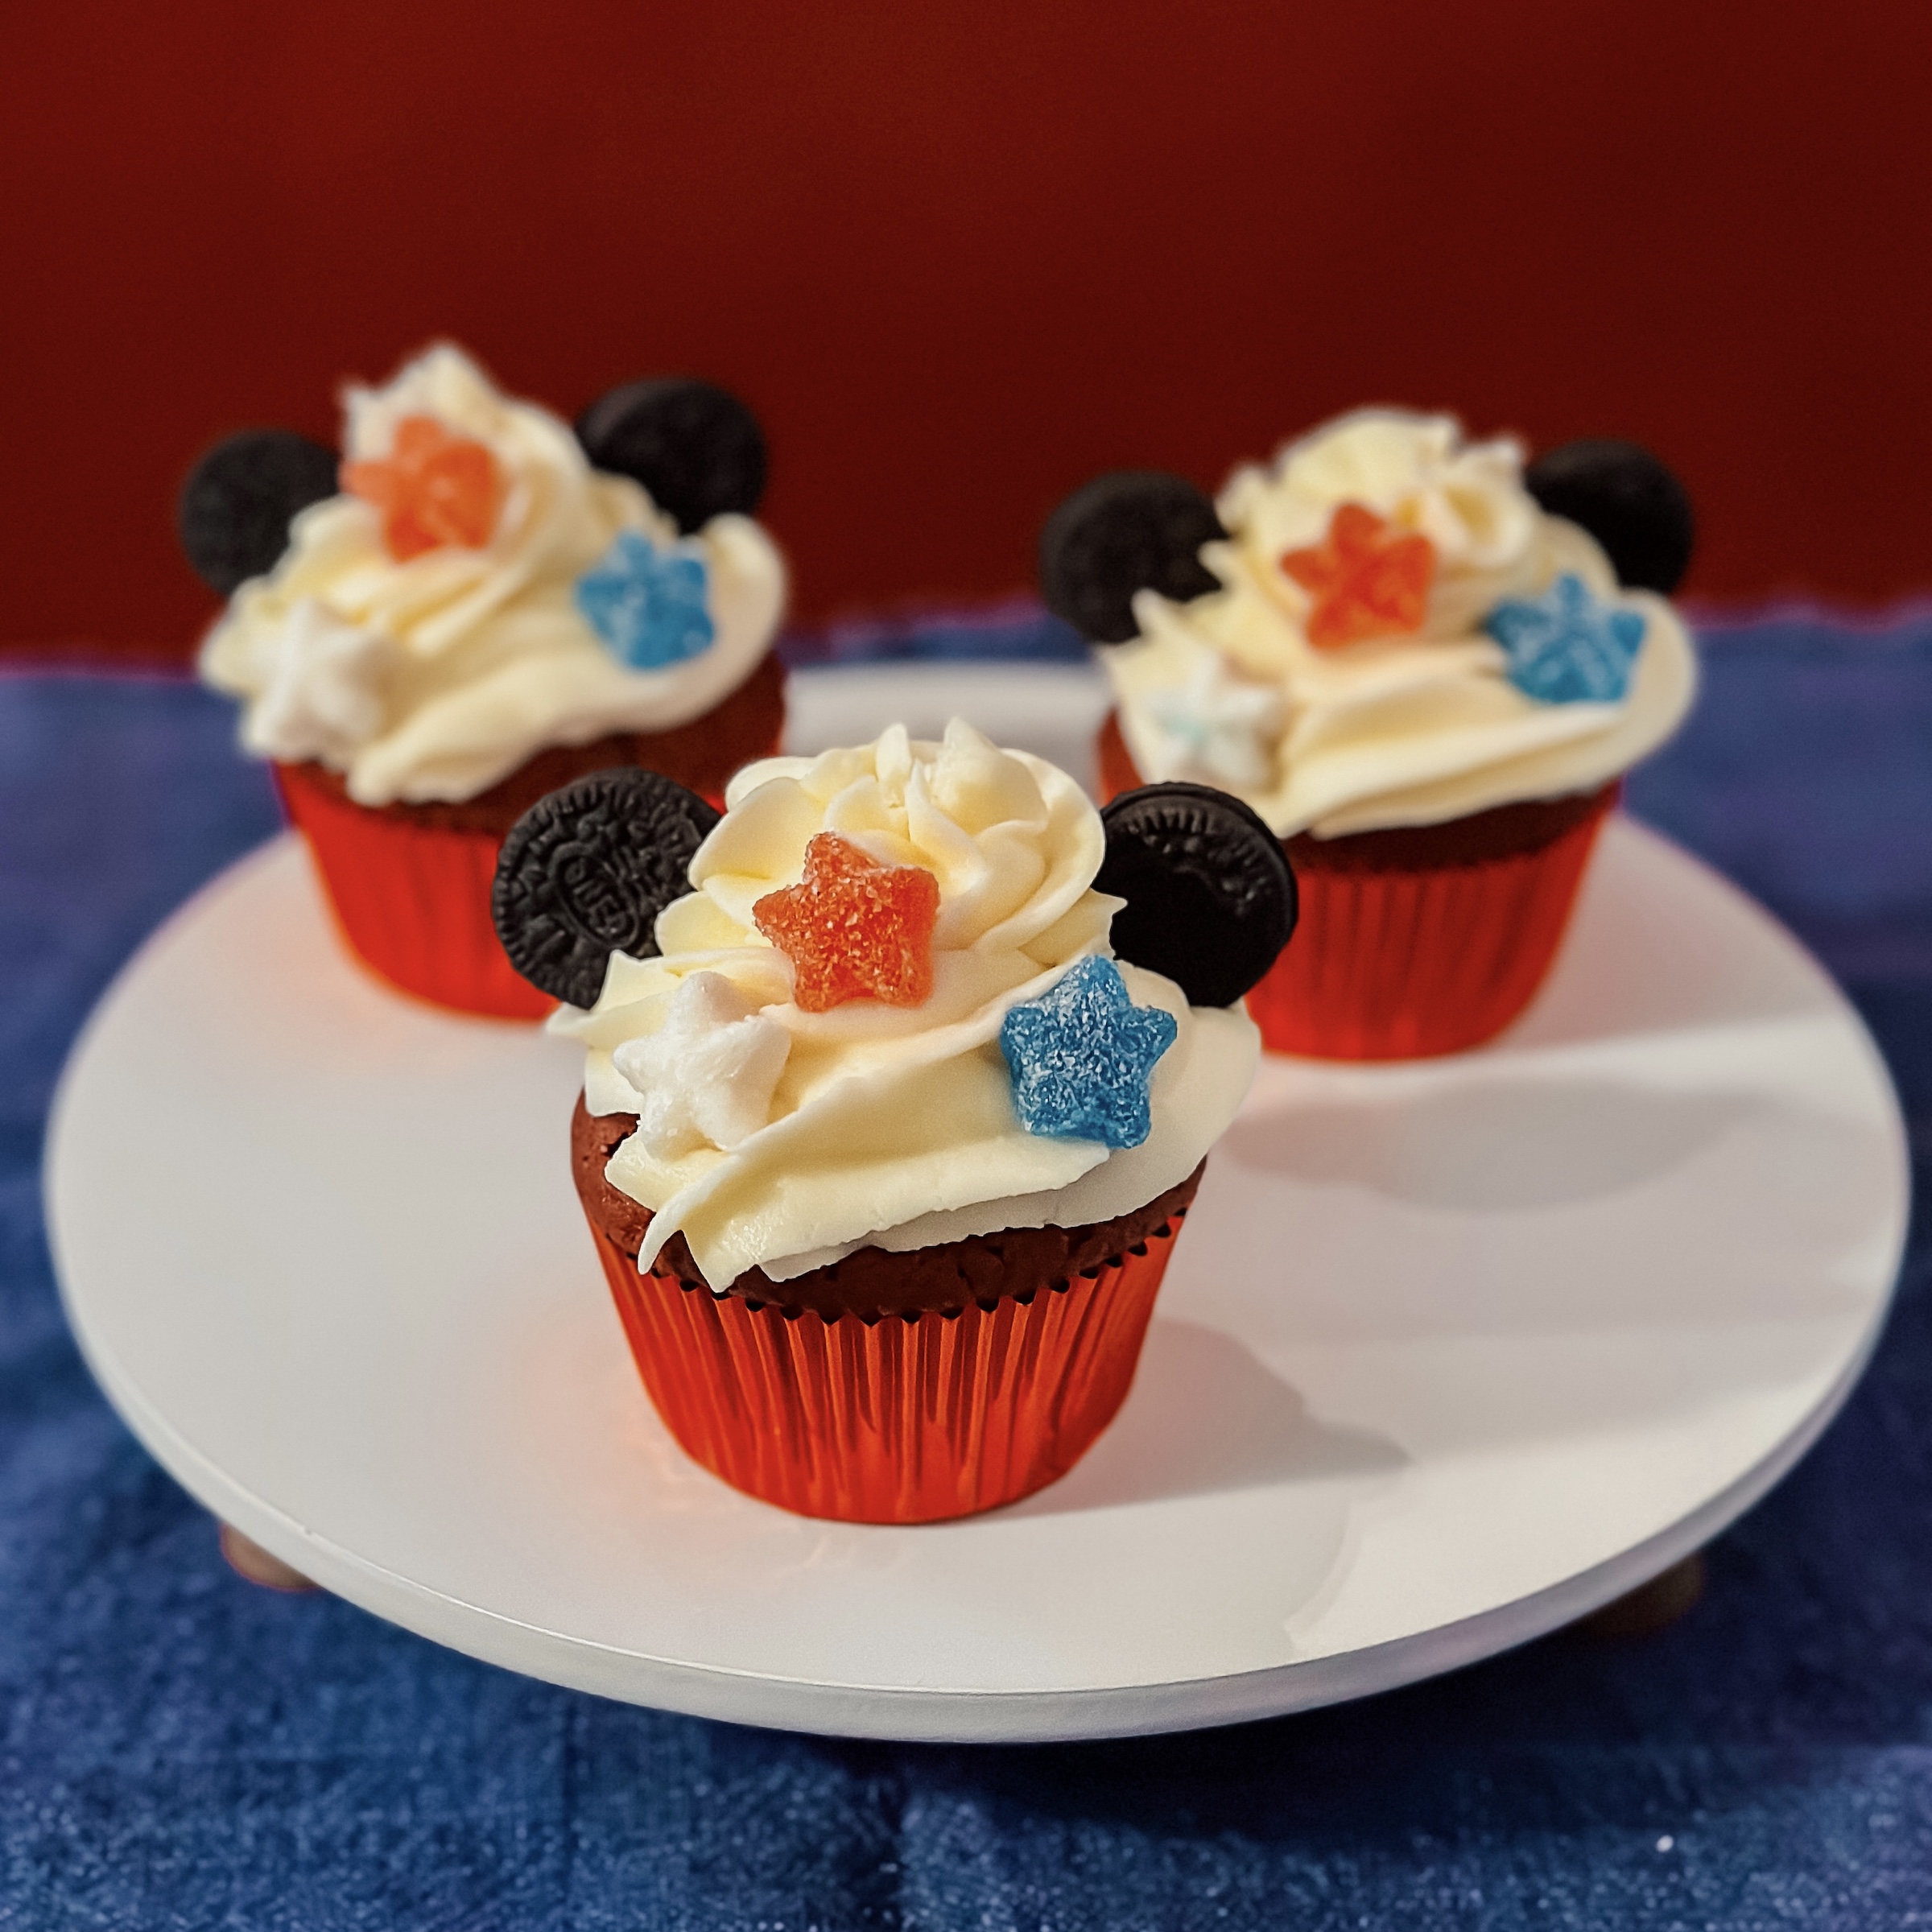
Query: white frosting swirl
{"x": 433, "y": 678}
{"x": 884, "y": 1124}
{"x": 1413, "y": 729}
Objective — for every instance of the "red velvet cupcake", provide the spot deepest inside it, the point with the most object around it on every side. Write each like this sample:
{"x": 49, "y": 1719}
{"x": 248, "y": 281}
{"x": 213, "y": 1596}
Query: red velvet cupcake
{"x": 885, "y": 1151}
{"x": 1426, "y": 669}
{"x": 477, "y": 605}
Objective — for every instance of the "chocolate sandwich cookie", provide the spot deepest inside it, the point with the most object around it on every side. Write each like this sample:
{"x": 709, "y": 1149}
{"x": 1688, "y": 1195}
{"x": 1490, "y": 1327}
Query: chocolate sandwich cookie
{"x": 695, "y": 448}
{"x": 239, "y": 499}
{"x": 1130, "y": 530}
{"x": 1627, "y": 500}
{"x": 1210, "y": 896}
{"x": 585, "y": 872}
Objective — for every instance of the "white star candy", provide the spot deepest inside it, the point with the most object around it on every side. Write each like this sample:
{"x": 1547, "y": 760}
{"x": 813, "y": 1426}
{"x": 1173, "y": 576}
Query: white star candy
{"x": 706, "y": 1075}
{"x": 1217, "y": 725}
{"x": 323, "y": 697}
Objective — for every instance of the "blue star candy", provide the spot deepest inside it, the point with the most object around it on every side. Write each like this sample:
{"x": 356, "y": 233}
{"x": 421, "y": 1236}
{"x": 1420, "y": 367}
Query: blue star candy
{"x": 1565, "y": 648}
{"x": 1081, "y": 1056}
{"x": 647, "y": 605}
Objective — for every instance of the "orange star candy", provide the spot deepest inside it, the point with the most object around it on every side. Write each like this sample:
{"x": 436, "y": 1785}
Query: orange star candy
{"x": 853, "y": 929}
{"x": 432, "y": 489}
{"x": 1368, "y": 580}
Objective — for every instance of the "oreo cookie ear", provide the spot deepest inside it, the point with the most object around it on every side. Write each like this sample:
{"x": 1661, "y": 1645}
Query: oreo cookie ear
{"x": 238, "y": 501}
{"x": 1627, "y": 500}
{"x": 1210, "y": 896}
{"x": 697, "y": 449}
{"x": 585, "y": 872}
{"x": 1131, "y": 530}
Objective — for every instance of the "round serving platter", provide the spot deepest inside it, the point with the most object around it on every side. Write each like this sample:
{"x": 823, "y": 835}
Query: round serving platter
{"x": 1451, "y": 1353}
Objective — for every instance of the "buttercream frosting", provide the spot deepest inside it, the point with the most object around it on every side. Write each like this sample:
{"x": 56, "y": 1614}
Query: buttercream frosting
{"x": 1413, "y": 728}
{"x": 433, "y": 677}
{"x": 878, "y": 1123}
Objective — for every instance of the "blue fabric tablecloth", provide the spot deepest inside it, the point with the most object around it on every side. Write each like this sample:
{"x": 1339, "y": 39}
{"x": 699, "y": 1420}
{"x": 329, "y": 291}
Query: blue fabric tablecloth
{"x": 179, "y": 1749}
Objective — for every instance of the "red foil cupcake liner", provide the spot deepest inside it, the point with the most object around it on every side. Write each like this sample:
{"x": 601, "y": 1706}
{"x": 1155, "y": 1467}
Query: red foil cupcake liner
{"x": 898, "y": 1420}
{"x": 1404, "y": 963}
{"x": 1400, "y": 965}
{"x": 412, "y": 902}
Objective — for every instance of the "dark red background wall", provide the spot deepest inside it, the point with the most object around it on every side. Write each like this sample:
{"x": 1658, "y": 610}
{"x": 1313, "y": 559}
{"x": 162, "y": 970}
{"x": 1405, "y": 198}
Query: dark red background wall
{"x": 960, "y": 256}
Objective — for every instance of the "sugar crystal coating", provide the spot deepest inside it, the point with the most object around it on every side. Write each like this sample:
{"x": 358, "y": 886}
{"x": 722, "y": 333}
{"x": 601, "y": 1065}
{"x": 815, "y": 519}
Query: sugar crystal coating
{"x": 1082, "y": 1057}
{"x": 853, "y": 928}
{"x": 706, "y": 1077}
{"x": 1565, "y": 647}
{"x": 1368, "y": 579}
{"x": 433, "y": 489}
{"x": 649, "y": 606}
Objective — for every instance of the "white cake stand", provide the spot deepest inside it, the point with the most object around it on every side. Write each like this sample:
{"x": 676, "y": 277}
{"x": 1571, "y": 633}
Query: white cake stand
{"x": 1451, "y": 1353}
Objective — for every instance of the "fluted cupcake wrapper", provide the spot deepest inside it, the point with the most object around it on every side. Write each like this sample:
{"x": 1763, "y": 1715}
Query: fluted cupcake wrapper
{"x": 898, "y": 1419}
{"x": 412, "y": 902}
{"x": 1405, "y": 964}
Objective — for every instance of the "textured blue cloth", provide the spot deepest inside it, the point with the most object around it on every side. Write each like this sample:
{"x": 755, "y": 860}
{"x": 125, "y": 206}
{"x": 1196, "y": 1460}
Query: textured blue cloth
{"x": 178, "y": 1748}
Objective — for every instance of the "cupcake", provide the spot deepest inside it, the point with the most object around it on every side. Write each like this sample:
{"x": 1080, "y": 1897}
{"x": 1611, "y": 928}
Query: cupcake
{"x": 475, "y": 605}
{"x": 900, "y": 1077}
{"x": 1425, "y": 667}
